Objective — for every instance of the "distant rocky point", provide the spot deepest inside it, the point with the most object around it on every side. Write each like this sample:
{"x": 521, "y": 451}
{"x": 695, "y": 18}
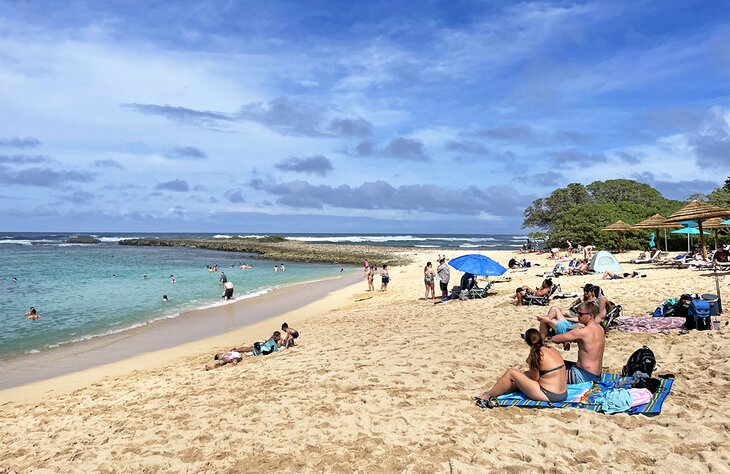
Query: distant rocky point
{"x": 82, "y": 239}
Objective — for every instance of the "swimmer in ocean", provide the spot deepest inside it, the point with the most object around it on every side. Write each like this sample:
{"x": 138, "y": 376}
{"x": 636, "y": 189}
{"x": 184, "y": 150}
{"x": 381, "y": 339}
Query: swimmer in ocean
{"x": 15, "y": 279}
{"x": 172, "y": 279}
{"x": 164, "y": 299}
{"x": 32, "y": 314}
{"x": 144, "y": 277}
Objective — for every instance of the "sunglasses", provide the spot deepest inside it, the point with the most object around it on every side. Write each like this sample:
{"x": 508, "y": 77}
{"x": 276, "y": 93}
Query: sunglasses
{"x": 584, "y": 314}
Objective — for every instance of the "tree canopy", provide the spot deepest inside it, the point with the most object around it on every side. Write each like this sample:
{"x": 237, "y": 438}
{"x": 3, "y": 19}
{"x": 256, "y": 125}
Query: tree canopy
{"x": 578, "y": 213}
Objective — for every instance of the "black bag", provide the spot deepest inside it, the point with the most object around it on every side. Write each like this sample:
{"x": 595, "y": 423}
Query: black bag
{"x": 642, "y": 360}
{"x": 680, "y": 309}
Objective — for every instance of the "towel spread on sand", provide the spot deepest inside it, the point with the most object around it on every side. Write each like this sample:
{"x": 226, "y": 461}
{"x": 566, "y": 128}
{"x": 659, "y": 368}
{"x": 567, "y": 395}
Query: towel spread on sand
{"x": 649, "y": 325}
{"x": 592, "y": 399}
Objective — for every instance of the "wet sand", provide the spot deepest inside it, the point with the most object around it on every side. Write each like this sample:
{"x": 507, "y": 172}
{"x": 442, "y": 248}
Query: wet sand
{"x": 164, "y": 334}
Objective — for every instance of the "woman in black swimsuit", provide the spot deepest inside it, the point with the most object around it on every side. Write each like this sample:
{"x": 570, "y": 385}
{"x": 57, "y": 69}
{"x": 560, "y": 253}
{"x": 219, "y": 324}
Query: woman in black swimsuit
{"x": 545, "y": 380}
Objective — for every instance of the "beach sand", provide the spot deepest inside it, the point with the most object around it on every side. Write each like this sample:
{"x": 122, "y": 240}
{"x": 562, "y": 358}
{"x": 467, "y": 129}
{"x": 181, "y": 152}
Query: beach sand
{"x": 383, "y": 384}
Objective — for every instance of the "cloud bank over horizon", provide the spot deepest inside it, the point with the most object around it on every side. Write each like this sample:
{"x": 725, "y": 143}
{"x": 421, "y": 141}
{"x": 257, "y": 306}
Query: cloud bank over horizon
{"x": 441, "y": 116}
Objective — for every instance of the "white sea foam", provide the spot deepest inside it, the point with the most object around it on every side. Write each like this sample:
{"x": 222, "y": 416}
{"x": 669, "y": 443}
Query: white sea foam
{"x": 252, "y": 236}
{"x": 427, "y": 246}
{"x": 17, "y": 242}
{"x": 113, "y": 239}
{"x": 222, "y": 236}
{"x": 386, "y": 238}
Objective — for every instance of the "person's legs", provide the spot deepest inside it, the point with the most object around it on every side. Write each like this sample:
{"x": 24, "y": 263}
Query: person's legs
{"x": 444, "y": 289}
{"x": 513, "y": 380}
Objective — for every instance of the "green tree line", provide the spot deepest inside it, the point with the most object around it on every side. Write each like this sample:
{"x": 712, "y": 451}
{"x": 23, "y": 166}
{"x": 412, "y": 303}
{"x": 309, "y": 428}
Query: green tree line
{"x": 578, "y": 213}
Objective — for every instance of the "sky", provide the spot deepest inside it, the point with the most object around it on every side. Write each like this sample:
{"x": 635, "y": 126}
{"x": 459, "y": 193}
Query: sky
{"x": 359, "y": 116}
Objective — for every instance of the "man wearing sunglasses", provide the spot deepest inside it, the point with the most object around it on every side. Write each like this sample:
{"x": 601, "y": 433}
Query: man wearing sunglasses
{"x": 562, "y": 320}
{"x": 591, "y": 344}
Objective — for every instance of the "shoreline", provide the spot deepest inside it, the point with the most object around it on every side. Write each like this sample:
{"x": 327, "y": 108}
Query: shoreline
{"x": 163, "y": 335}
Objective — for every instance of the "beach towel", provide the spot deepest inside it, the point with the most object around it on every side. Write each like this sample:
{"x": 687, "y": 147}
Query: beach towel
{"x": 649, "y": 325}
{"x": 592, "y": 399}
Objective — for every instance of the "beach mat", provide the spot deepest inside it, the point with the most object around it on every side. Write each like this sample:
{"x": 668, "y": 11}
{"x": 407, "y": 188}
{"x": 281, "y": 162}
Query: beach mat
{"x": 651, "y": 408}
{"x": 649, "y": 325}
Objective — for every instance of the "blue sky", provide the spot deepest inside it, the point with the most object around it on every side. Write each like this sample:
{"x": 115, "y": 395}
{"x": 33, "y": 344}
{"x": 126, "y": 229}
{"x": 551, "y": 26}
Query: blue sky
{"x": 368, "y": 116}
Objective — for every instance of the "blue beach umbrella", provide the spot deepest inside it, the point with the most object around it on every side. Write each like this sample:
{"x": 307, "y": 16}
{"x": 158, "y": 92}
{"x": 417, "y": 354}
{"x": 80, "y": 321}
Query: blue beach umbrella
{"x": 477, "y": 265}
{"x": 690, "y": 231}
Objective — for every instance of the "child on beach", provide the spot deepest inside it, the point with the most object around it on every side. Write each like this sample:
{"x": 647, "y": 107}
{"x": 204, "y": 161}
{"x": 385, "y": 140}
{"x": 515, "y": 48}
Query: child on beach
{"x": 223, "y": 358}
{"x": 291, "y": 334}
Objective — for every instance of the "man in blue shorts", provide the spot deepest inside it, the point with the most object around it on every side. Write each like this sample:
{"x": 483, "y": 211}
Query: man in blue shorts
{"x": 591, "y": 341}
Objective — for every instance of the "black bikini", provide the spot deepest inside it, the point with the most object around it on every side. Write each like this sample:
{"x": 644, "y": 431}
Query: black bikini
{"x": 552, "y": 396}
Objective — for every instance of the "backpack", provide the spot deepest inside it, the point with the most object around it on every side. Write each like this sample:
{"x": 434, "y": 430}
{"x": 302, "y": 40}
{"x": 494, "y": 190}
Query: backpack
{"x": 642, "y": 360}
{"x": 698, "y": 315}
{"x": 682, "y": 306}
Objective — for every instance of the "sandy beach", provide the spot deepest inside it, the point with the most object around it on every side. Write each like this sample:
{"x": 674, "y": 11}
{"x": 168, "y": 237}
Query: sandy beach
{"x": 380, "y": 382}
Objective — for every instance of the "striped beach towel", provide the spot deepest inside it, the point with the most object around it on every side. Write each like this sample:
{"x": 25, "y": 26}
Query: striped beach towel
{"x": 651, "y": 408}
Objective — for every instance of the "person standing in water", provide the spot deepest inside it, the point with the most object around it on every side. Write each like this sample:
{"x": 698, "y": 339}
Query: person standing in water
{"x": 164, "y": 299}
{"x": 173, "y": 279}
{"x": 228, "y": 292}
{"x": 283, "y": 268}
{"x": 32, "y": 314}
{"x": 223, "y": 279}
{"x": 276, "y": 269}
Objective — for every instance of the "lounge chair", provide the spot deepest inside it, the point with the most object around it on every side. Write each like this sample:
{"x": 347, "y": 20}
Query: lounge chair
{"x": 541, "y": 300}
{"x": 480, "y": 292}
{"x": 652, "y": 259}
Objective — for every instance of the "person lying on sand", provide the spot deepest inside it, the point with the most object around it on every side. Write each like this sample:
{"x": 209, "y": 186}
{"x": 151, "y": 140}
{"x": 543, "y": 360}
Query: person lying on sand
{"x": 562, "y": 320}
{"x": 222, "y": 358}
{"x": 616, "y": 276}
{"x": 291, "y": 334}
{"x": 263, "y": 348}
{"x": 591, "y": 340}
{"x": 543, "y": 290}
{"x": 546, "y": 378}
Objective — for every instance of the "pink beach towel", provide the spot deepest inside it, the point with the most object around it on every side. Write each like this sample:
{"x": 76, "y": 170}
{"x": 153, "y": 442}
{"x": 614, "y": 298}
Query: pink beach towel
{"x": 650, "y": 325}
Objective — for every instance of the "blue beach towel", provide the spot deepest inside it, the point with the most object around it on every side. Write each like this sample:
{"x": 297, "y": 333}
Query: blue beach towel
{"x": 653, "y": 407}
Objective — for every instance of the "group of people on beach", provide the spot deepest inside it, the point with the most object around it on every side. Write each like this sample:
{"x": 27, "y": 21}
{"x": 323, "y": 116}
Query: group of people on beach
{"x": 277, "y": 341}
{"x": 371, "y": 271}
{"x": 442, "y": 273}
{"x": 548, "y": 374}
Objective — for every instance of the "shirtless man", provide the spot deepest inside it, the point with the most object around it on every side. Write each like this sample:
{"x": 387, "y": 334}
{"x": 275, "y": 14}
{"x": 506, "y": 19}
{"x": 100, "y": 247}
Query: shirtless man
{"x": 543, "y": 290}
{"x": 591, "y": 341}
{"x": 562, "y": 320}
{"x": 32, "y": 314}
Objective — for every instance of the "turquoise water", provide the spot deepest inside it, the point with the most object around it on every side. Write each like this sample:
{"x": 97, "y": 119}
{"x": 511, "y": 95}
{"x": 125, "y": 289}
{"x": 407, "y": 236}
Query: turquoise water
{"x": 85, "y": 291}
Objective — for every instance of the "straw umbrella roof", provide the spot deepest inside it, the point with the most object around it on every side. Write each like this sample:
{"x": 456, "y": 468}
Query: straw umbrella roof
{"x": 698, "y": 210}
{"x": 714, "y": 223}
{"x": 656, "y": 221}
{"x": 619, "y": 226}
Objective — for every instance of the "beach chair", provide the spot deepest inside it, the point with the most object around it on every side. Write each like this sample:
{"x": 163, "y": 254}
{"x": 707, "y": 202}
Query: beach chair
{"x": 611, "y": 318}
{"x": 541, "y": 300}
{"x": 652, "y": 259}
{"x": 475, "y": 292}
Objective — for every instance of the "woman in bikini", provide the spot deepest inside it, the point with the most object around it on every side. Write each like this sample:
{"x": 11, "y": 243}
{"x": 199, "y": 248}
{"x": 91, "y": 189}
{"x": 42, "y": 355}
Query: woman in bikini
{"x": 428, "y": 279}
{"x": 545, "y": 380}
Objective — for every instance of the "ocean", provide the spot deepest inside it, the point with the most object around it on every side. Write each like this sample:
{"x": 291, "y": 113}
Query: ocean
{"x": 85, "y": 291}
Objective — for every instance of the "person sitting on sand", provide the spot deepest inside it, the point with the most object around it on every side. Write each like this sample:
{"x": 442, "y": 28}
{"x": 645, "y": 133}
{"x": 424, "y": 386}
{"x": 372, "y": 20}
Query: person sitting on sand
{"x": 32, "y": 314}
{"x": 562, "y": 320}
{"x": 545, "y": 380}
{"x": 581, "y": 268}
{"x": 222, "y": 358}
{"x": 591, "y": 340}
{"x": 543, "y": 290}
{"x": 291, "y": 334}
{"x": 272, "y": 344}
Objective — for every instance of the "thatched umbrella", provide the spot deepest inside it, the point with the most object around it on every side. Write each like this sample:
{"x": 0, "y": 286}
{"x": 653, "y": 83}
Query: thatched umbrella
{"x": 715, "y": 224}
{"x": 620, "y": 227}
{"x": 657, "y": 221}
{"x": 699, "y": 211}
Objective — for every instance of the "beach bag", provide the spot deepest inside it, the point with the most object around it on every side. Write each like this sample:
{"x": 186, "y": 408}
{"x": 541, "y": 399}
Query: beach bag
{"x": 698, "y": 315}
{"x": 682, "y": 306}
{"x": 642, "y": 360}
{"x": 666, "y": 308}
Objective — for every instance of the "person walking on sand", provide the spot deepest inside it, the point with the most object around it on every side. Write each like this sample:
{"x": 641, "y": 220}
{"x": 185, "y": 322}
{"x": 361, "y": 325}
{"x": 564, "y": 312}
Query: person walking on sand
{"x": 444, "y": 275}
{"x": 384, "y": 278}
{"x": 371, "y": 276}
{"x": 429, "y": 275}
